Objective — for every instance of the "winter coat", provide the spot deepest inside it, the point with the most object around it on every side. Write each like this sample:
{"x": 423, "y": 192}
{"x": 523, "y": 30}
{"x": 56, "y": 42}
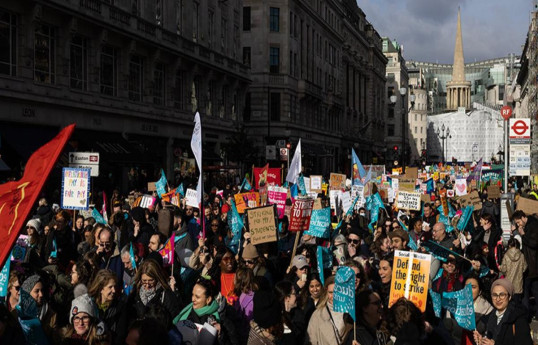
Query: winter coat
{"x": 44, "y": 212}
{"x": 256, "y": 337}
{"x": 367, "y": 336}
{"x": 481, "y": 308}
{"x": 513, "y": 328}
{"x": 295, "y": 332}
{"x": 320, "y": 330}
{"x": 115, "y": 319}
{"x": 489, "y": 207}
{"x": 165, "y": 297}
{"x": 513, "y": 266}
{"x": 530, "y": 246}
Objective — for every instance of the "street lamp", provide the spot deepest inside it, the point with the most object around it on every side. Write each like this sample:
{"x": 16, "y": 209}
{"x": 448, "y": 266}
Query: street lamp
{"x": 443, "y": 136}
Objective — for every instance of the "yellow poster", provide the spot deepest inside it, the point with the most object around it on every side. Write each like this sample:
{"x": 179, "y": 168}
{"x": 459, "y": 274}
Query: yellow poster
{"x": 410, "y": 278}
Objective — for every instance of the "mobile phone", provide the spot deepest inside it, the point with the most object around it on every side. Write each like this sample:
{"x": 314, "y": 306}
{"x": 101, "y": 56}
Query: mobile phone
{"x": 303, "y": 277}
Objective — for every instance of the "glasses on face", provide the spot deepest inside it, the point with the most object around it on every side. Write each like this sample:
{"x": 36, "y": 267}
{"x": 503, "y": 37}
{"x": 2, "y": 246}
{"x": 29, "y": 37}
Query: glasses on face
{"x": 249, "y": 262}
{"x": 17, "y": 288}
{"x": 303, "y": 268}
{"x": 148, "y": 282}
{"x": 500, "y": 296}
{"x": 354, "y": 241}
{"x": 79, "y": 319}
{"x": 30, "y": 227}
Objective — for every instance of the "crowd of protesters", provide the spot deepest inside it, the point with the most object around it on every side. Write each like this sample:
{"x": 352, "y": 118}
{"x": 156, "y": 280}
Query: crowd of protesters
{"x": 95, "y": 283}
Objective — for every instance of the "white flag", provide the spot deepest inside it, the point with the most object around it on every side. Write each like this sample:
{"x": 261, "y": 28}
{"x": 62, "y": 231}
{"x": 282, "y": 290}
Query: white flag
{"x": 196, "y": 146}
{"x": 295, "y": 166}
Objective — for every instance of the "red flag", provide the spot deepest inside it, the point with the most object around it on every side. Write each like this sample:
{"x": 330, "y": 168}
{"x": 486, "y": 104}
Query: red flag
{"x": 18, "y": 197}
{"x": 103, "y": 209}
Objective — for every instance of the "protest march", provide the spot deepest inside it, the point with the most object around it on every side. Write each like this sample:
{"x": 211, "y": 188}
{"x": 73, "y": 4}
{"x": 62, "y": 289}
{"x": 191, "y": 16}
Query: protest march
{"x": 437, "y": 254}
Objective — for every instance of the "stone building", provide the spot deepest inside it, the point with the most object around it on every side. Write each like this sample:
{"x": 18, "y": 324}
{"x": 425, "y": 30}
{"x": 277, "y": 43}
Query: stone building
{"x": 317, "y": 74}
{"x": 130, "y": 73}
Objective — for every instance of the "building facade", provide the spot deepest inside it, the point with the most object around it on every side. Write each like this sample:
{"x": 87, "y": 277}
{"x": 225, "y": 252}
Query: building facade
{"x": 318, "y": 75}
{"x": 130, "y": 74}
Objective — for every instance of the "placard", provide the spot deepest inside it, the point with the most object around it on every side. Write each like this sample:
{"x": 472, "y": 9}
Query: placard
{"x": 406, "y": 185}
{"x": 461, "y": 187}
{"x": 152, "y": 187}
{"x": 246, "y": 200}
{"x": 317, "y": 204}
{"x": 145, "y": 201}
{"x": 411, "y": 173}
{"x": 337, "y": 181}
{"x": 408, "y": 200}
{"x": 358, "y": 190}
{"x": 315, "y": 183}
{"x": 75, "y": 188}
{"x": 262, "y": 224}
{"x": 410, "y": 278}
{"x": 346, "y": 201}
{"x": 494, "y": 192}
{"x": 335, "y": 195}
{"x": 320, "y": 223}
{"x": 191, "y": 198}
{"x": 527, "y": 205}
{"x": 277, "y": 196}
{"x": 471, "y": 199}
{"x": 301, "y": 211}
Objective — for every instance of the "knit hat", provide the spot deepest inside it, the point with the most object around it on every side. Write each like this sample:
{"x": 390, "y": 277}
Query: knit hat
{"x": 82, "y": 304}
{"x": 299, "y": 261}
{"x": 35, "y": 223}
{"x": 399, "y": 233}
{"x": 506, "y": 284}
{"x": 250, "y": 252}
{"x": 267, "y": 311}
{"x": 30, "y": 282}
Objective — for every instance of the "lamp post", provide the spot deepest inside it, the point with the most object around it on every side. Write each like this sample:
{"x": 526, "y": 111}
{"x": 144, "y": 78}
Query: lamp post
{"x": 443, "y": 136}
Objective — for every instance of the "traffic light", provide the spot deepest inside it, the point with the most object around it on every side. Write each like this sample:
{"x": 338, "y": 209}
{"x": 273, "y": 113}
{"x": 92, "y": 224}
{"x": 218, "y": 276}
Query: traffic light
{"x": 423, "y": 153}
{"x": 395, "y": 148}
{"x": 288, "y": 145}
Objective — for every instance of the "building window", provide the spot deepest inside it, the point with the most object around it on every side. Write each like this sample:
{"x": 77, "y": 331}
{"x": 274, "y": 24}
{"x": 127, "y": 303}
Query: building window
{"x": 415, "y": 117}
{"x": 274, "y": 14}
{"x": 44, "y": 53}
{"x": 416, "y": 130}
{"x": 196, "y": 7}
{"x": 158, "y": 84}
{"x": 421, "y": 130}
{"x": 210, "y": 28}
{"x": 135, "y": 78}
{"x": 108, "y": 75}
{"x": 391, "y": 112}
{"x": 178, "y": 92}
{"x": 246, "y": 18}
{"x": 246, "y": 56}
{"x": 8, "y": 43}
{"x": 390, "y": 130}
{"x": 274, "y": 57}
{"x": 223, "y": 34}
{"x": 78, "y": 63}
{"x": 275, "y": 106}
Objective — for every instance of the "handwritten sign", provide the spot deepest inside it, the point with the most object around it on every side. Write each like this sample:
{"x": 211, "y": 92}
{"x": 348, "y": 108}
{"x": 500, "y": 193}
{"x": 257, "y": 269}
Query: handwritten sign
{"x": 410, "y": 278}
{"x": 408, "y": 200}
{"x": 277, "y": 196}
{"x": 494, "y": 192}
{"x": 75, "y": 188}
{"x": 315, "y": 183}
{"x": 301, "y": 212}
{"x": 262, "y": 224}
{"x": 471, "y": 199}
{"x": 191, "y": 198}
{"x": 337, "y": 181}
{"x": 246, "y": 200}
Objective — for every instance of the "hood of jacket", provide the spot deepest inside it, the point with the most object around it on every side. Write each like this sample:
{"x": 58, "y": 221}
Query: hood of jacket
{"x": 514, "y": 254}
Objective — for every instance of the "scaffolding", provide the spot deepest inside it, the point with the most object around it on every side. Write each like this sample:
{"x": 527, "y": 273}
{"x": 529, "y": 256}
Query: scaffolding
{"x": 533, "y": 87}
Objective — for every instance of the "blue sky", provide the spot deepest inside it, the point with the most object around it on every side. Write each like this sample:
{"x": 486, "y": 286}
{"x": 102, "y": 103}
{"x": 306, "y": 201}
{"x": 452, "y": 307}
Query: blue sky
{"x": 427, "y": 28}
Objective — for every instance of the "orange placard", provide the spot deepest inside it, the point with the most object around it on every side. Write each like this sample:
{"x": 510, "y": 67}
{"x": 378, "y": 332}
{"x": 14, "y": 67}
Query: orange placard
{"x": 410, "y": 278}
{"x": 246, "y": 200}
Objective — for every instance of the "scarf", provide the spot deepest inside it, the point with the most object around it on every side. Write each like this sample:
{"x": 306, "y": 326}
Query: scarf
{"x": 210, "y": 309}
{"x": 147, "y": 295}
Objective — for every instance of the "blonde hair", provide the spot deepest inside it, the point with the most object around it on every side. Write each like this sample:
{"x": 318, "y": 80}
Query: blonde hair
{"x": 324, "y": 298}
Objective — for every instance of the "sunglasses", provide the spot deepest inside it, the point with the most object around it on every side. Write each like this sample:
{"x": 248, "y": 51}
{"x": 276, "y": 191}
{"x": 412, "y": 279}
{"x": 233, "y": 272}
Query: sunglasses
{"x": 18, "y": 288}
{"x": 354, "y": 241}
{"x": 358, "y": 275}
{"x": 250, "y": 262}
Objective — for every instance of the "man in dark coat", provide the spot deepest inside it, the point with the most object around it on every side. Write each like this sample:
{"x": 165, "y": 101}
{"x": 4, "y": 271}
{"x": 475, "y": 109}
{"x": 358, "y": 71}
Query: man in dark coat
{"x": 527, "y": 227}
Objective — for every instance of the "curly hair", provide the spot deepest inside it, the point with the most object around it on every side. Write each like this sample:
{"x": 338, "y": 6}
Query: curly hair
{"x": 402, "y": 313}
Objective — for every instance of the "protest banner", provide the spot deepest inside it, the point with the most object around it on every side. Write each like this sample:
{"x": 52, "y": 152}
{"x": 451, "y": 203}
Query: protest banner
{"x": 317, "y": 204}
{"x": 324, "y": 260}
{"x": 527, "y": 205}
{"x": 408, "y": 200}
{"x": 346, "y": 201}
{"x": 344, "y": 291}
{"x": 494, "y": 192}
{"x": 397, "y": 171}
{"x": 277, "y": 196}
{"x": 471, "y": 199}
{"x": 191, "y": 198}
{"x": 406, "y": 185}
{"x": 152, "y": 187}
{"x": 460, "y": 304}
{"x": 301, "y": 212}
{"x": 320, "y": 223}
{"x": 461, "y": 187}
{"x": 246, "y": 200}
{"x": 307, "y": 186}
{"x": 272, "y": 177}
{"x": 235, "y": 223}
{"x": 144, "y": 201}
{"x": 465, "y": 216}
{"x": 75, "y": 188}
{"x": 395, "y": 183}
{"x": 337, "y": 181}
{"x": 334, "y": 196}
{"x": 262, "y": 224}
{"x": 410, "y": 278}
{"x": 358, "y": 191}
{"x": 315, "y": 183}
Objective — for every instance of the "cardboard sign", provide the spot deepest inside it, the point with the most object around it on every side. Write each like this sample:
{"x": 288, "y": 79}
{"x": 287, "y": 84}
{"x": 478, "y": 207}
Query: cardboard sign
{"x": 246, "y": 200}
{"x": 277, "y": 196}
{"x": 315, "y": 183}
{"x": 301, "y": 211}
{"x": 411, "y": 173}
{"x": 337, "y": 181}
{"x": 191, "y": 198}
{"x": 461, "y": 187}
{"x": 410, "y": 278}
{"x": 425, "y": 198}
{"x": 262, "y": 224}
{"x": 152, "y": 187}
{"x": 494, "y": 192}
{"x": 408, "y": 200}
{"x": 406, "y": 185}
{"x": 527, "y": 205}
{"x": 75, "y": 188}
{"x": 471, "y": 199}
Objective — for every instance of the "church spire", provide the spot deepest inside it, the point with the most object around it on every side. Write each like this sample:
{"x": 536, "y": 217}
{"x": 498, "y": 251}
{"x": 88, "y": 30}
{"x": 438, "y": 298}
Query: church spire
{"x": 458, "y": 73}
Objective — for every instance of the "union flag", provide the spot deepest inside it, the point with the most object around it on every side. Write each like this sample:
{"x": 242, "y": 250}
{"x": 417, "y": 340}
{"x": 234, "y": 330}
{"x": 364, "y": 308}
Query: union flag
{"x": 168, "y": 251}
{"x": 18, "y": 197}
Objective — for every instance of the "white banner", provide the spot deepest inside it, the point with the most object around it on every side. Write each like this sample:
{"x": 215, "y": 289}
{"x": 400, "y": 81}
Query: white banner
{"x": 408, "y": 201}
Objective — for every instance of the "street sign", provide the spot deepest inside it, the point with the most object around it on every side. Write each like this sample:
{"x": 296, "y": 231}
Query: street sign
{"x": 280, "y": 143}
{"x": 520, "y": 160}
{"x": 284, "y": 154}
{"x": 270, "y": 152}
{"x": 85, "y": 160}
{"x": 506, "y": 112}
{"x": 520, "y": 131}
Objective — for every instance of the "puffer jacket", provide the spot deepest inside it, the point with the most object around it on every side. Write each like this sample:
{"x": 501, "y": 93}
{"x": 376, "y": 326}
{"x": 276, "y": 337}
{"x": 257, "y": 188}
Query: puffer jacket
{"x": 513, "y": 266}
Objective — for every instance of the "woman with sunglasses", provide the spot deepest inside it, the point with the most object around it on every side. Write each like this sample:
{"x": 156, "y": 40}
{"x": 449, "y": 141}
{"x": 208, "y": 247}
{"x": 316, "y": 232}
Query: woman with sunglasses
{"x": 222, "y": 271}
{"x": 361, "y": 281}
{"x": 13, "y": 292}
{"x": 253, "y": 260}
{"x": 369, "y": 309}
{"x": 293, "y": 317}
{"x": 451, "y": 278}
{"x": 111, "y": 304}
{"x": 507, "y": 324}
{"x": 84, "y": 327}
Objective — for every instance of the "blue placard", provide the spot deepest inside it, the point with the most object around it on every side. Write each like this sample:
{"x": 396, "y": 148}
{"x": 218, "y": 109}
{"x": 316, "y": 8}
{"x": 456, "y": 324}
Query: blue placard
{"x": 75, "y": 188}
{"x": 320, "y": 223}
{"x": 344, "y": 291}
{"x": 4, "y": 278}
{"x": 460, "y": 304}
{"x": 235, "y": 223}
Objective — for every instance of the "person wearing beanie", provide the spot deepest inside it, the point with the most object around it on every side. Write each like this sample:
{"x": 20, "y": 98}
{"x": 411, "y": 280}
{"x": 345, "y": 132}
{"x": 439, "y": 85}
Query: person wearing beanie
{"x": 84, "y": 326}
{"x": 507, "y": 323}
{"x": 34, "y": 250}
{"x": 266, "y": 327}
{"x": 34, "y": 286}
{"x": 257, "y": 264}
